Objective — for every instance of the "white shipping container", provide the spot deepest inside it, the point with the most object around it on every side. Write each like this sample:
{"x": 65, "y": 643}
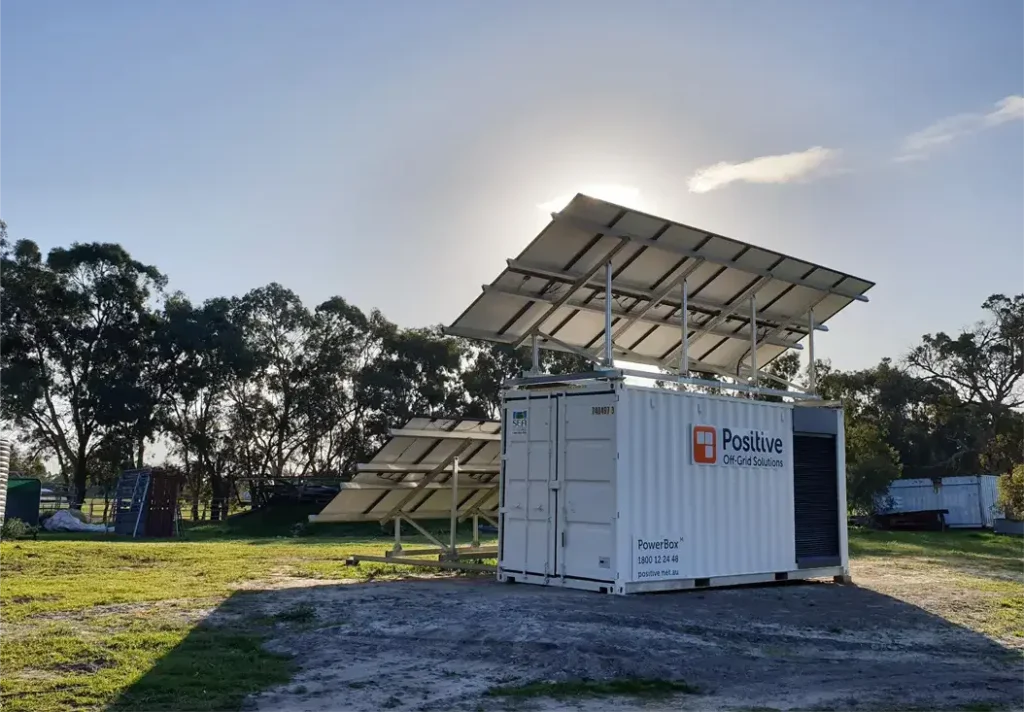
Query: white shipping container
{"x": 971, "y": 500}
{"x": 621, "y": 488}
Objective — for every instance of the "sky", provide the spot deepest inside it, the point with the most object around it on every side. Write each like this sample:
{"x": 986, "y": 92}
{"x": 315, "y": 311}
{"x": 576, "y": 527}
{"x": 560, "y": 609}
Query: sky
{"x": 397, "y": 153}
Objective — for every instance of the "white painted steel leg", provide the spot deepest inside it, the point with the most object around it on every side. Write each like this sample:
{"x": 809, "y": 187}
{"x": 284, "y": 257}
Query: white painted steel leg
{"x": 812, "y": 374}
{"x": 455, "y": 502}
{"x": 427, "y": 535}
{"x": 608, "y": 360}
{"x": 753, "y": 337}
{"x": 684, "y": 327}
{"x": 398, "y": 535}
{"x": 535, "y": 367}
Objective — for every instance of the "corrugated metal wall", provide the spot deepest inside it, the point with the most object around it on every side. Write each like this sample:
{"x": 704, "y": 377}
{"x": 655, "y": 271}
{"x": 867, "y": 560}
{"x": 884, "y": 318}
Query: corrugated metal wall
{"x": 971, "y": 500}
{"x": 5, "y": 469}
{"x": 817, "y": 500}
{"x": 733, "y": 520}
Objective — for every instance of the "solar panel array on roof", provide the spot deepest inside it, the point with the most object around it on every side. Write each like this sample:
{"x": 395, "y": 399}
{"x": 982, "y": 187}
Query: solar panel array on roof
{"x": 555, "y": 289}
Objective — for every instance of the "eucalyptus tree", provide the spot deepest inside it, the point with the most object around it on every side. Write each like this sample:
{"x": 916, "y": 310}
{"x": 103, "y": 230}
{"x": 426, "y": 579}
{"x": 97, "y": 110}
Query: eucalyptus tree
{"x": 73, "y": 327}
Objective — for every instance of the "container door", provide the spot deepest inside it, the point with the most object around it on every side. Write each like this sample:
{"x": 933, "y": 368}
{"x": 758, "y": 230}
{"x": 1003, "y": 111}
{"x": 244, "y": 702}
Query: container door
{"x": 587, "y": 462}
{"x": 528, "y": 472}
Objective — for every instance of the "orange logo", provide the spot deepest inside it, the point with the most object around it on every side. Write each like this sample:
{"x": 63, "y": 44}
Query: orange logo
{"x": 705, "y": 445}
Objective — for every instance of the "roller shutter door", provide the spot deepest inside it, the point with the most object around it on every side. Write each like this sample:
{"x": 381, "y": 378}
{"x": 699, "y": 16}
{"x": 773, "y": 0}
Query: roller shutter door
{"x": 816, "y": 496}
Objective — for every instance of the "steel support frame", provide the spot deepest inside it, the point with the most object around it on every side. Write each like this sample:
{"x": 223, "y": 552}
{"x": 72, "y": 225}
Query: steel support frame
{"x": 641, "y": 318}
{"x": 451, "y": 550}
{"x": 753, "y": 337}
{"x": 812, "y": 369}
{"x": 427, "y": 479}
{"x": 628, "y": 355}
{"x": 684, "y": 333}
{"x": 580, "y": 282}
{"x": 637, "y": 292}
{"x": 774, "y": 331}
{"x": 450, "y": 554}
{"x": 656, "y": 299}
{"x": 443, "y": 434}
{"x": 455, "y": 504}
{"x": 734, "y": 306}
{"x": 744, "y": 387}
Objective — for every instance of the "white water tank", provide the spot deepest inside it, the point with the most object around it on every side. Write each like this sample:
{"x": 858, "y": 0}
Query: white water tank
{"x": 5, "y": 470}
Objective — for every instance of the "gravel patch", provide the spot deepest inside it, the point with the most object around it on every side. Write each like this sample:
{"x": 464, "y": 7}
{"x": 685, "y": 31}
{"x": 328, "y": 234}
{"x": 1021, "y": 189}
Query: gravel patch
{"x": 443, "y": 644}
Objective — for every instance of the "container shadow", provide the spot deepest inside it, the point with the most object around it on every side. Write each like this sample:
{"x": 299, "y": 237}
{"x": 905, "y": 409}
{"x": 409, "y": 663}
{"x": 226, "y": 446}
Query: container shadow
{"x": 445, "y": 643}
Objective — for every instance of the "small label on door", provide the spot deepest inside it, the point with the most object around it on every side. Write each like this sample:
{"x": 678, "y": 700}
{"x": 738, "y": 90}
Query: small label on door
{"x": 604, "y": 562}
{"x": 603, "y": 410}
{"x": 519, "y": 422}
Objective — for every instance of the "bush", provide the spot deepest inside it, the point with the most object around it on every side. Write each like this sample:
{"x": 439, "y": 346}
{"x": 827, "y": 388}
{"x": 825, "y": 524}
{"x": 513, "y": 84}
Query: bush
{"x": 14, "y": 528}
{"x": 1011, "y": 494}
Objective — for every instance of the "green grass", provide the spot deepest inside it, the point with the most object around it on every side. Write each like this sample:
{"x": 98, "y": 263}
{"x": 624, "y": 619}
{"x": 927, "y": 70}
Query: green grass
{"x": 986, "y": 569}
{"x": 149, "y": 665}
{"x": 955, "y": 549}
{"x": 96, "y": 621}
{"x": 627, "y": 687}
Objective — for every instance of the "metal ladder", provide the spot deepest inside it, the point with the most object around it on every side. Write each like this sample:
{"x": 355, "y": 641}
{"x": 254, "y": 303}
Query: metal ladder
{"x": 131, "y": 498}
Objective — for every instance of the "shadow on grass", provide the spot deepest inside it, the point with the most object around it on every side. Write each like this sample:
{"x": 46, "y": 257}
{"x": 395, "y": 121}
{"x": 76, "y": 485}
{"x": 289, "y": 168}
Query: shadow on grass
{"x": 213, "y": 668}
{"x": 767, "y": 645}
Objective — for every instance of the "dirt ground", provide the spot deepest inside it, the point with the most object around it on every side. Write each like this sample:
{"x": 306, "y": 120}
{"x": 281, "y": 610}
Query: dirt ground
{"x": 444, "y": 643}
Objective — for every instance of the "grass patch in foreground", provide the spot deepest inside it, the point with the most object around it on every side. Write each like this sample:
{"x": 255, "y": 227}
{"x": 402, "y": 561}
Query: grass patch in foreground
{"x": 98, "y": 621}
{"x": 627, "y": 686}
{"x": 152, "y": 665}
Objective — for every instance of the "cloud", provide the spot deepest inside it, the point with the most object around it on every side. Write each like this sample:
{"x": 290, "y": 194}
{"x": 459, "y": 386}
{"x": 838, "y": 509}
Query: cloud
{"x": 921, "y": 144}
{"x": 785, "y": 168}
{"x": 1009, "y": 109}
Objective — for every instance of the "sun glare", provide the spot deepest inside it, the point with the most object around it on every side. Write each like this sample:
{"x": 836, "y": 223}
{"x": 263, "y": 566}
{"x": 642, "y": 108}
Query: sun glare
{"x": 623, "y": 195}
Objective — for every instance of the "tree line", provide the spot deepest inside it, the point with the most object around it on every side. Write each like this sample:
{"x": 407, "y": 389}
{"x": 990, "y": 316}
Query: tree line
{"x": 100, "y": 360}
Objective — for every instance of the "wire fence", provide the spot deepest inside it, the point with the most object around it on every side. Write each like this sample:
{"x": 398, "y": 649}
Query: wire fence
{"x": 100, "y": 510}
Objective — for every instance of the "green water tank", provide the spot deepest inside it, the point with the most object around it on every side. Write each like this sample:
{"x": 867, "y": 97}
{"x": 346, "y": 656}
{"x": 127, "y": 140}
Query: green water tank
{"x": 23, "y": 494}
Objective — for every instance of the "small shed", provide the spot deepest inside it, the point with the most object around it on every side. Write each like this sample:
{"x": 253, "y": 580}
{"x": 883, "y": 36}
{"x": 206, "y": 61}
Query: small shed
{"x": 970, "y": 500}
{"x": 147, "y": 503}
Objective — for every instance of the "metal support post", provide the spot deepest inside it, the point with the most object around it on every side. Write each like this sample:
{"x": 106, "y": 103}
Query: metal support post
{"x": 398, "y": 535}
{"x": 476, "y": 530}
{"x": 608, "y": 360}
{"x": 455, "y": 503}
{"x": 812, "y": 374}
{"x": 535, "y": 367}
{"x": 684, "y": 327}
{"x": 753, "y": 337}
